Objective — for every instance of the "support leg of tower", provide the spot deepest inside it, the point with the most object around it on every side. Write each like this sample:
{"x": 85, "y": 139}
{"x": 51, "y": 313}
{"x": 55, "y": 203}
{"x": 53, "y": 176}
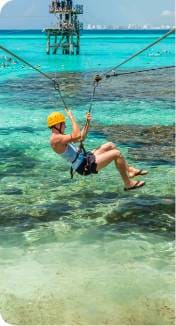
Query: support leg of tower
{"x": 78, "y": 45}
{"x": 78, "y": 48}
{"x": 68, "y": 45}
{"x": 71, "y": 46}
{"x": 55, "y": 45}
{"x": 48, "y": 44}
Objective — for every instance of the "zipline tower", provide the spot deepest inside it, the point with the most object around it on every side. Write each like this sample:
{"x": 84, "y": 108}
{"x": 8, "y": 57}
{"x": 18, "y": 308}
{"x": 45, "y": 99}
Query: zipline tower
{"x": 66, "y": 34}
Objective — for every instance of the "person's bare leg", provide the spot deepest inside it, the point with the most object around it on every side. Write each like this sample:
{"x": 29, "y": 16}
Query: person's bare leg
{"x": 108, "y": 147}
{"x": 104, "y": 148}
{"x": 106, "y": 158}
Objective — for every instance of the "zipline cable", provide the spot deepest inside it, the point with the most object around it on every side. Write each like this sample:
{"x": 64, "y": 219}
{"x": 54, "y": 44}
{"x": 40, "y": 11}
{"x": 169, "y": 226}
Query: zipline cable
{"x": 137, "y": 71}
{"x": 141, "y": 51}
{"x": 56, "y": 84}
{"x": 98, "y": 78}
{"x": 25, "y": 62}
{"x": 92, "y": 98}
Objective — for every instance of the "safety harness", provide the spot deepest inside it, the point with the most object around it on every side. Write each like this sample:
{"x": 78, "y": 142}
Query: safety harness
{"x": 81, "y": 151}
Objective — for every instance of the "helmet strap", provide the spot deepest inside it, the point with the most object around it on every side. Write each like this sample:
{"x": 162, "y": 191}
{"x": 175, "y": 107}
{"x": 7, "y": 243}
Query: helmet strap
{"x": 59, "y": 129}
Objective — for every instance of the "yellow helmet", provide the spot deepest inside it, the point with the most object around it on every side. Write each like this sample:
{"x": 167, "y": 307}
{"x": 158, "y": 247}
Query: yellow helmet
{"x": 55, "y": 118}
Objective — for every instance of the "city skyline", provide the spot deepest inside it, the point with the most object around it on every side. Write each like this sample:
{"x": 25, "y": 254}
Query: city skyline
{"x": 125, "y": 27}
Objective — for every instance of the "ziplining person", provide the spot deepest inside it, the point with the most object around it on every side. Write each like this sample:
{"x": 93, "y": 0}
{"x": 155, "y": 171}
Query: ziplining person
{"x": 86, "y": 163}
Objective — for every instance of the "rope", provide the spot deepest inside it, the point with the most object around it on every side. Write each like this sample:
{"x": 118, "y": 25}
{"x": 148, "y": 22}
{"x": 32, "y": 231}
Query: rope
{"x": 56, "y": 84}
{"x": 57, "y": 88}
{"x": 138, "y": 71}
{"x": 24, "y": 61}
{"x": 98, "y": 78}
{"x": 93, "y": 96}
{"x": 139, "y": 52}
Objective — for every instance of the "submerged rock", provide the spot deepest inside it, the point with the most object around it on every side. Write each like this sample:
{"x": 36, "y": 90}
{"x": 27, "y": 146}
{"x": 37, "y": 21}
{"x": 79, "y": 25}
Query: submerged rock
{"x": 148, "y": 214}
{"x": 152, "y": 143}
{"x": 13, "y": 191}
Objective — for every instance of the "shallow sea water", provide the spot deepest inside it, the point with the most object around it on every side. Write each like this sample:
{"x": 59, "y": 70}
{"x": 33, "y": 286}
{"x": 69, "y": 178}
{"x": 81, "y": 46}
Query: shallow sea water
{"x": 84, "y": 252}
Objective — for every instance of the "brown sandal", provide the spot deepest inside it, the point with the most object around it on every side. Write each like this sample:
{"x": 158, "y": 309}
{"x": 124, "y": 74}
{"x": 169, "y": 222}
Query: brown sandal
{"x": 137, "y": 185}
{"x": 140, "y": 172}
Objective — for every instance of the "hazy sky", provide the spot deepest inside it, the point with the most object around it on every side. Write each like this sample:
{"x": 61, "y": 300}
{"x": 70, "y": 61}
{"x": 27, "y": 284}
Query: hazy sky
{"x": 28, "y": 14}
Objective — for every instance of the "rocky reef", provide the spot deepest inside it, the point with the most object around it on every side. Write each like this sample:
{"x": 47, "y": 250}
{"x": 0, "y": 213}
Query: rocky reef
{"x": 145, "y": 143}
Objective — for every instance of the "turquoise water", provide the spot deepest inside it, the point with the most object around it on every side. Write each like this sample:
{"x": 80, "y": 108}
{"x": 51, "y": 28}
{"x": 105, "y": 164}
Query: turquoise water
{"x": 84, "y": 252}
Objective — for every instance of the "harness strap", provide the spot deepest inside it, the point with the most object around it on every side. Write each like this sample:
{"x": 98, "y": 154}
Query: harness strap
{"x": 81, "y": 149}
{"x": 58, "y": 128}
{"x": 71, "y": 172}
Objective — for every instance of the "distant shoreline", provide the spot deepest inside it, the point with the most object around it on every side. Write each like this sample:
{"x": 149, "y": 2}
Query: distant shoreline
{"x": 86, "y": 31}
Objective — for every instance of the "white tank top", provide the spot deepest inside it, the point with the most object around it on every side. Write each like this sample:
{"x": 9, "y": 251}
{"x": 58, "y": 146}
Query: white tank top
{"x": 72, "y": 156}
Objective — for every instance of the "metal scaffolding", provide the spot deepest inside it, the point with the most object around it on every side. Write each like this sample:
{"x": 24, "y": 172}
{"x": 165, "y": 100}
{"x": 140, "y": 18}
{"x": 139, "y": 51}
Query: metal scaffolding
{"x": 66, "y": 34}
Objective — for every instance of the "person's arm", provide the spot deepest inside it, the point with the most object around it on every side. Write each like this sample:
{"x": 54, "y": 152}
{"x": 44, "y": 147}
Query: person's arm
{"x": 86, "y": 127}
{"x": 76, "y": 133}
